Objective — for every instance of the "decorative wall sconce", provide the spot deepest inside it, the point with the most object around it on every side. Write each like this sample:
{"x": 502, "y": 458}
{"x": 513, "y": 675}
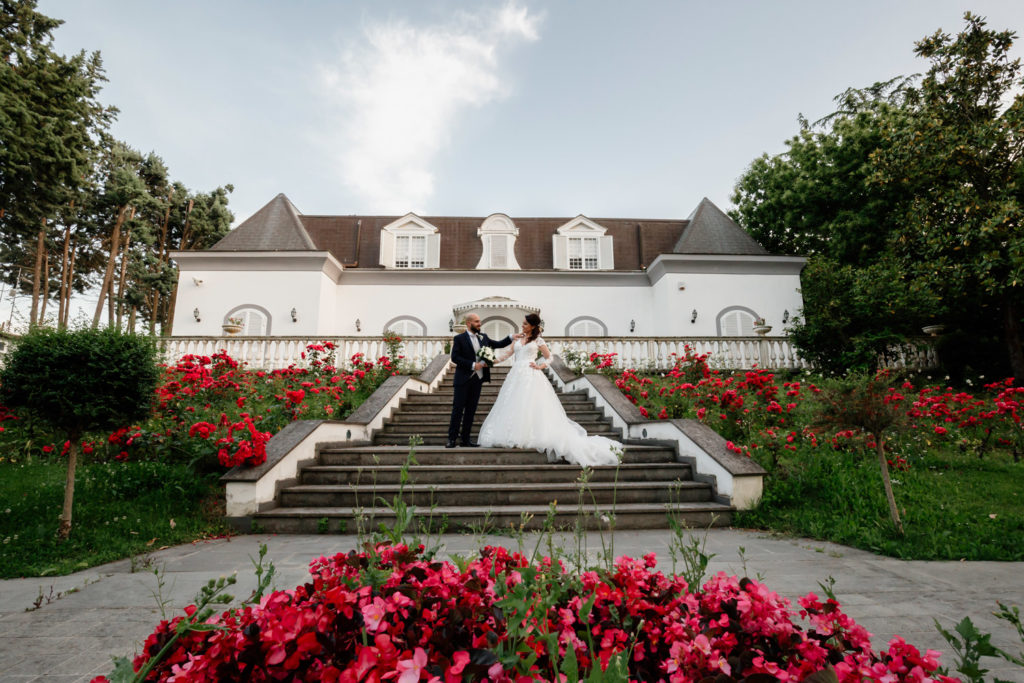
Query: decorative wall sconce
{"x": 632, "y": 325}
{"x": 295, "y": 316}
{"x": 451, "y": 324}
{"x": 359, "y": 326}
{"x": 693, "y": 316}
{"x": 195, "y": 314}
{"x": 785, "y": 316}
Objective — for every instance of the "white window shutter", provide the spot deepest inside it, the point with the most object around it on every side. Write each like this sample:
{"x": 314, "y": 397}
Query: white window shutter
{"x": 498, "y": 249}
{"x": 607, "y": 257}
{"x": 387, "y": 249}
{"x": 558, "y": 252}
{"x": 433, "y": 251}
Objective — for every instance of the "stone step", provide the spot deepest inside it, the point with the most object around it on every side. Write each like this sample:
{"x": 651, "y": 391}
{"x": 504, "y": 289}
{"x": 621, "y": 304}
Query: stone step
{"x": 398, "y": 454}
{"x": 493, "y": 473}
{"x": 417, "y": 399}
{"x": 432, "y": 417}
{"x": 311, "y": 520}
{"x": 485, "y": 493}
{"x": 440, "y": 436}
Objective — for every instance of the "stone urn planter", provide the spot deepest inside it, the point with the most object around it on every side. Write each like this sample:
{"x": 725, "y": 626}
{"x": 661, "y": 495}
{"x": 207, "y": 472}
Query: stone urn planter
{"x": 231, "y": 328}
{"x": 762, "y": 329}
{"x": 933, "y": 330}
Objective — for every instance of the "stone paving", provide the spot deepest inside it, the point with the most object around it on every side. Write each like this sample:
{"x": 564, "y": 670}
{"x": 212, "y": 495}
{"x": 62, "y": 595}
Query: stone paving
{"x": 109, "y": 610}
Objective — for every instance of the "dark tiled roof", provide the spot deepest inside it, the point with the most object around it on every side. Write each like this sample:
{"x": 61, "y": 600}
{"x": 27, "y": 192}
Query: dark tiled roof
{"x": 355, "y": 240}
{"x": 275, "y": 227}
{"x": 710, "y": 231}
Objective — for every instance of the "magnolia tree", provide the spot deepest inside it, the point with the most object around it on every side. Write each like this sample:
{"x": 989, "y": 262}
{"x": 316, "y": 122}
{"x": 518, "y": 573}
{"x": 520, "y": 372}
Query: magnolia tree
{"x": 73, "y": 382}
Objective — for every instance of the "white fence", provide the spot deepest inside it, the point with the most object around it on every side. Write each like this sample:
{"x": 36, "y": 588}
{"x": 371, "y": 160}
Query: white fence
{"x": 635, "y": 352}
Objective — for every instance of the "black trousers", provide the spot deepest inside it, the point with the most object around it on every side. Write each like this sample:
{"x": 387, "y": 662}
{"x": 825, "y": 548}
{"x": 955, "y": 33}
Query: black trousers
{"x": 466, "y": 398}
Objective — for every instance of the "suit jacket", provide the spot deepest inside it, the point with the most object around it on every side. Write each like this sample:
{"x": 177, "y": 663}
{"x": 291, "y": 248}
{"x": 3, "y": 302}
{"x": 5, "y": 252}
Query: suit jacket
{"x": 464, "y": 356}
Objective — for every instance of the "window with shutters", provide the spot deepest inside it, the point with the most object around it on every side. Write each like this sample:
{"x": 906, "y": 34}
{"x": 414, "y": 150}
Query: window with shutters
{"x": 586, "y": 326}
{"x": 581, "y": 244}
{"x": 410, "y": 243}
{"x": 406, "y": 326}
{"x": 410, "y": 251}
{"x": 255, "y": 319}
{"x": 736, "y": 322}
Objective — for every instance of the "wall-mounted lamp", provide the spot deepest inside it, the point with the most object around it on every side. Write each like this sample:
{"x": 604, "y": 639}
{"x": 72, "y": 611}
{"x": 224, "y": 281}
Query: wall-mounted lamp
{"x": 785, "y": 317}
{"x": 451, "y": 324}
{"x": 195, "y": 314}
{"x": 295, "y": 316}
{"x": 693, "y": 316}
{"x": 632, "y": 325}
{"x": 359, "y": 325}
{"x": 199, "y": 282}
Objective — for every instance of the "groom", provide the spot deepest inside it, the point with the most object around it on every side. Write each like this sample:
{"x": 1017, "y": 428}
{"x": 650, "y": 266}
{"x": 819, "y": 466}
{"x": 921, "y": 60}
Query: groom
{"x": 470, "y": 375}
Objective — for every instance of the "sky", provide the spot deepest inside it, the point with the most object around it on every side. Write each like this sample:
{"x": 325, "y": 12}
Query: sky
{"x": 603, "y": 108}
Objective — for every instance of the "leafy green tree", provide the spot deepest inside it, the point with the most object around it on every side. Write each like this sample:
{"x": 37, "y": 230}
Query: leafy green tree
{"x": 49, "y": 125}
{"x": 74, "y": 382}
{"x": 962, "y": 232}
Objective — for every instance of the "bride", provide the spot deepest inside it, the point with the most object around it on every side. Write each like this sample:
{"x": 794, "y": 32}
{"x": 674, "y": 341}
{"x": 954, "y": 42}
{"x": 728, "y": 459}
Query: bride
{"x": 528, "y": 414}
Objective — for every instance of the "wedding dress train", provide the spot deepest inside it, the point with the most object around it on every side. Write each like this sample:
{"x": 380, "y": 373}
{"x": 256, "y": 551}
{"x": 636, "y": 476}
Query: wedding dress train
{"x": 528, "y": 414}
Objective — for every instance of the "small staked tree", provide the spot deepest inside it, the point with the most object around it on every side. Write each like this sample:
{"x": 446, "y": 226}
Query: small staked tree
{"x": 873, "y": 406}
{"x": 74, "y": 382}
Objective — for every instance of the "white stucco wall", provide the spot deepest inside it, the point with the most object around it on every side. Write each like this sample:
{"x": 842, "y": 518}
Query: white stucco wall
{"x": 329, "y": 300}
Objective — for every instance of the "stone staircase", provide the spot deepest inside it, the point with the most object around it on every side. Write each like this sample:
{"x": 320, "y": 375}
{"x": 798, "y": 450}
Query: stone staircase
{"x": 486, "y": 488}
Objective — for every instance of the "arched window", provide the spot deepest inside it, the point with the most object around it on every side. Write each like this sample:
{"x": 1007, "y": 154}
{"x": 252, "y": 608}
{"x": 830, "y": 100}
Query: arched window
{"x": 736, "y": 321}
{"x": 498, "y": 327}
{"x": 255, "y": 319}
{"x": 586, "y": 326}
{"x": 406, "y": 326}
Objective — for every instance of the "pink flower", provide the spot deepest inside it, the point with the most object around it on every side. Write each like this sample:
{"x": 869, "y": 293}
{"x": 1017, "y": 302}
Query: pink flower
{"x": 373, "y": 614}
{"x": 411, "y": 669}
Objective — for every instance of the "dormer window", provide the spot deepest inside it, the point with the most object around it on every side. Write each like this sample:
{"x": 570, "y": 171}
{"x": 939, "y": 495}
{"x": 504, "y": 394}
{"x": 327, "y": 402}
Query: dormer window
{"x": 409, "y": 243}
{"x": 581, "y": 244}
{"x": 410, "y": 251}
{"x": 498, "y": 234}
{"x": 583, "y": 253}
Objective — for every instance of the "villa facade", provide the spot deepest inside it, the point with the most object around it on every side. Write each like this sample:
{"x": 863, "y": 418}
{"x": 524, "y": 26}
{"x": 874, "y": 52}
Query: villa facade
{"x": 283, "y": 273}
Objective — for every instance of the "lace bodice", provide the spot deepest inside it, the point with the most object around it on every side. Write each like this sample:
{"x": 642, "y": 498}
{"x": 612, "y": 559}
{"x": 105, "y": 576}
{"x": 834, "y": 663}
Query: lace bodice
{"x": 524, "y": 353}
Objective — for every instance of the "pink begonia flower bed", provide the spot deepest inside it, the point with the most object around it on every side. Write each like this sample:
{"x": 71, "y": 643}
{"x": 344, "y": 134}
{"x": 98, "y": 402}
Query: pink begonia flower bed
{"x": 390, "y": 615}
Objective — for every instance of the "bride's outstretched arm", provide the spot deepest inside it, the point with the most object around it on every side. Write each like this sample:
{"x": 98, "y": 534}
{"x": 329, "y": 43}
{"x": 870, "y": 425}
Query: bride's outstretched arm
{"x": 504, "y": 354}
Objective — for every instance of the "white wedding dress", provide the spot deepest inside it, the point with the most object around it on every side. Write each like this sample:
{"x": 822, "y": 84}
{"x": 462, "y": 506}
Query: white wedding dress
{"x": 528, "y": 414}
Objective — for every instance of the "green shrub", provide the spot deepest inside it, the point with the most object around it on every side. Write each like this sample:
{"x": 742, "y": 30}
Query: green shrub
{"x": 77, "y": 381}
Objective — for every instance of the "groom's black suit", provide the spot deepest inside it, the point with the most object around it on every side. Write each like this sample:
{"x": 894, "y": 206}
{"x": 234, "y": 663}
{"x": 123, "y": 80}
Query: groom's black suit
{"x": 467, "y": 384}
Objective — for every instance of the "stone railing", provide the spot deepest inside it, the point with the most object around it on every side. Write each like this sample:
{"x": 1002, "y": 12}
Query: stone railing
{"x": 652, "y": 353}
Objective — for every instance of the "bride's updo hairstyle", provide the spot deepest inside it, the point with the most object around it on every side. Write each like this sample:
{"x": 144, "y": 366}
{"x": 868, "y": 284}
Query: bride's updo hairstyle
{"x": 534, "y": 321}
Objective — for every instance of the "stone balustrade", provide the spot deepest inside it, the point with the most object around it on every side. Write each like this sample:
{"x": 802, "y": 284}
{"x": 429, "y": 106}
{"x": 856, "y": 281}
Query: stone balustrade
{"x": 650, "y": 353}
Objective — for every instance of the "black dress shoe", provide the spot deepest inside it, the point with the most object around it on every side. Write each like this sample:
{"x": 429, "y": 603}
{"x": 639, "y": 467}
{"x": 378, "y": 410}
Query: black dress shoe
{"x": 450, "y": 444}
{"x": 469, "y": 444}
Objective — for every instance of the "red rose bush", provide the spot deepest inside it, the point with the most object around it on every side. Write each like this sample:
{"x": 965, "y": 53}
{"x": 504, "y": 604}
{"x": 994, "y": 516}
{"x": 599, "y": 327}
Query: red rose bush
{"x": 392, "y": 614}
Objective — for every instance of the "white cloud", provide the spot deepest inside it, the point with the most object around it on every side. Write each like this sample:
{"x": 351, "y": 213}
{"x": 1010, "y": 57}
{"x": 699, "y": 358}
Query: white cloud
{"x": 399, "y": 93}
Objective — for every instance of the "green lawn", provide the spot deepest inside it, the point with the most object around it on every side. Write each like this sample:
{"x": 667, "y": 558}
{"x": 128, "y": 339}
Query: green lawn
{"x": 953, "y": 506}
{"x": 121, "y": 509}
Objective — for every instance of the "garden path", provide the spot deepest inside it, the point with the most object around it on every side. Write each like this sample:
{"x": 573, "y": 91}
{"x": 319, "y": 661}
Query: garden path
{"x": 112, "y": 609}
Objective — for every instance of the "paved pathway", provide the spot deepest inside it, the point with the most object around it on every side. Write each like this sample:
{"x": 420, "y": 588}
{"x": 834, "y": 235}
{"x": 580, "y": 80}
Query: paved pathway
{"x": 111, "y": 609}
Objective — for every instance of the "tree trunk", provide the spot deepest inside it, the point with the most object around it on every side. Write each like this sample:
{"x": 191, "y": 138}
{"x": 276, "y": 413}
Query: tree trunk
{"x": 124, "y": 270}
{"x": 108, "y": 276}
{"x": 67, "y": 293}
{"x": 36, "y": 279}
{"x": 1012, "y": 335}
{"x": 161, "y": 255}
{"x": 883, "y": 463}
{"x": 46, "y": 287}
{"x": 174, "y": 292}
{"x": 69, "y": 489}
{"x": 65, "y": 283}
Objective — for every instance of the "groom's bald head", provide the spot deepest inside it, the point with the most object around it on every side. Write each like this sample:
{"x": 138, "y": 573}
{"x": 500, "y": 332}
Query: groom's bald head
{"x": 473, "y": 322}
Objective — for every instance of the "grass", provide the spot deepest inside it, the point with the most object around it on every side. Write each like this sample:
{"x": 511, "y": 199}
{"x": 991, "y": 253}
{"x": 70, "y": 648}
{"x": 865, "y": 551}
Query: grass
{"x": 121, "y": 510}
{"x": 953, "y": 506}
